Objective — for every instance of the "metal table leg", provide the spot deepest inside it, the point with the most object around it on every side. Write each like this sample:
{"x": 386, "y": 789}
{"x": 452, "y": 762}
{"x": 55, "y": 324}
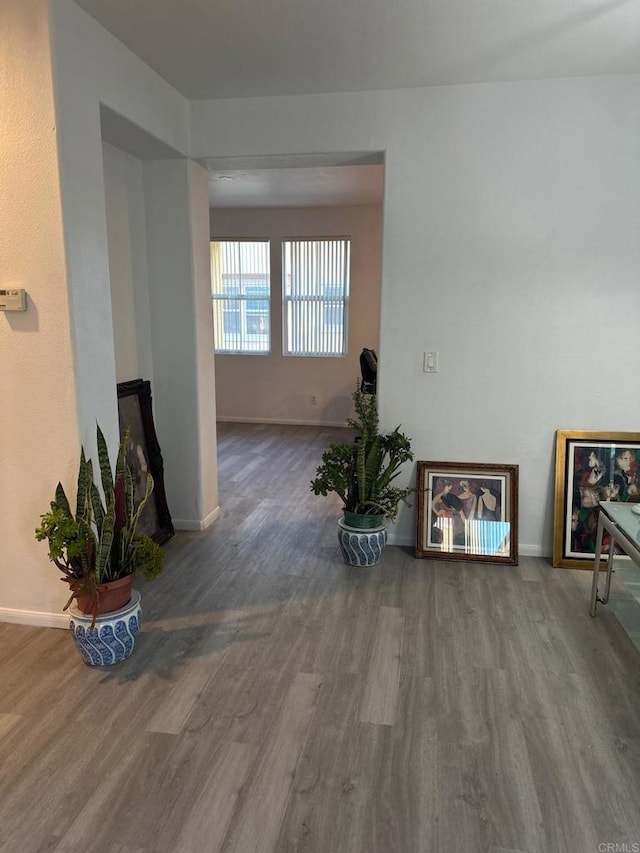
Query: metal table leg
{"x": 596, "y": 566}
{"x": 607, "y": 586}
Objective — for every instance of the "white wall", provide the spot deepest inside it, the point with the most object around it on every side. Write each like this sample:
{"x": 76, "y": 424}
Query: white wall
{"x": 176, "y": 194}
{"x": 511, "y": 246}
{"x": 38, "y": 417}
{"x": 275, "y": 388}
{"x": 58, "y": 66}
{"x": 127, "y": 245}
{"x": 157, "y": 219}
{"x": 207, "y": 509}
{"x": 90, "y": 68}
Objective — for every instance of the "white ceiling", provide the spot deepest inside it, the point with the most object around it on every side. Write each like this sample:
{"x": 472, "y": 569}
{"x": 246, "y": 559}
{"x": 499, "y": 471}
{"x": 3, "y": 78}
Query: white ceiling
{"x": 239, "y": 48}
{"x": 242, "y": 48}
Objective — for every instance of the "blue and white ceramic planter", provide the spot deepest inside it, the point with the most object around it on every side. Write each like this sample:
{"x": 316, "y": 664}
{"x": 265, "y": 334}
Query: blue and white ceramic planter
{"x": 112, "y": 638}
{"x": 361, "y": 547}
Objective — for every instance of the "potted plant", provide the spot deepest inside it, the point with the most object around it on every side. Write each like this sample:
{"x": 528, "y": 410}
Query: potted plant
{"x": 362, "y": 474}
{"x": 98, "y": 547}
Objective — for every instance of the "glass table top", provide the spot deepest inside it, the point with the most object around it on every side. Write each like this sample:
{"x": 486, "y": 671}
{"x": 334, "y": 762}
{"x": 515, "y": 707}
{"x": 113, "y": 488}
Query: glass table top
{"x": 622, "y": 514}
{"x": 625, "y": 597}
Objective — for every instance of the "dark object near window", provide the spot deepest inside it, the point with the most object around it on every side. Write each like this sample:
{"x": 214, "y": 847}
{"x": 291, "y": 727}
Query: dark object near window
{"x": 369, "y": 370}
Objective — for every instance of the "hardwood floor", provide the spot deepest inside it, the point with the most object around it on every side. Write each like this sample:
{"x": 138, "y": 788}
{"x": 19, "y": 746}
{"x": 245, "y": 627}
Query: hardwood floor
{"x": 280, "y": 701}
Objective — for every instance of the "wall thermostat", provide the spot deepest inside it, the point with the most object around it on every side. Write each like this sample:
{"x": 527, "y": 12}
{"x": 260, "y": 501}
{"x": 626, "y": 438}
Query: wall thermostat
{"x": 13, "y": 300}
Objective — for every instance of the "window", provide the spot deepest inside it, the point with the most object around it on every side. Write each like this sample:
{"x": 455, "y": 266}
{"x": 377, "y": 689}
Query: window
{"x": 240, "y": 290}
{"x": 315, "y": 296}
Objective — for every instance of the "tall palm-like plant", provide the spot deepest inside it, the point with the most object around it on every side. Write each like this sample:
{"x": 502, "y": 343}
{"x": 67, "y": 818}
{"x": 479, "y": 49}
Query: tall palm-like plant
{"x": 362, "y": 473}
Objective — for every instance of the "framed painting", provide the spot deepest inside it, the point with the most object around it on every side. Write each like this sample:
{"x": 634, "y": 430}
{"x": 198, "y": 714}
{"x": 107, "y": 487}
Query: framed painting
{"x": 468, "y": 511}
{"x": 590, "y": 467}
{"x": 144, "y": 455}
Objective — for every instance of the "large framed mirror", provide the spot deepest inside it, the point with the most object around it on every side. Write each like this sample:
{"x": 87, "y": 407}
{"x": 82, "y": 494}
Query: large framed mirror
{"x": 144, "y": 455}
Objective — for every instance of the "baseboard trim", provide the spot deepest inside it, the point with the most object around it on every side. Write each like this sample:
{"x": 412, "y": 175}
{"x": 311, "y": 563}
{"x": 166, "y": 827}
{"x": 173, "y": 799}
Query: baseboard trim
{"x": 532, "y": 551}
{"x": 187, "y": 524}
{"x": 283, "y": 421}
{"x": 406, "y": 541}
{"x": 209, "y": 519}
{"x": 35, "y": 618}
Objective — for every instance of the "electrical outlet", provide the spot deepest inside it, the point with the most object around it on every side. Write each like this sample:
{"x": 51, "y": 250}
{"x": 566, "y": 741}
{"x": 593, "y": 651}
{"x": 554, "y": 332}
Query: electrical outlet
{"x": 312, "y": 400}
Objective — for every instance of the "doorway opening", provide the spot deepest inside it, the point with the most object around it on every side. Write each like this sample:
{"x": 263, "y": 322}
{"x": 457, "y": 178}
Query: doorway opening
{"x": 286, "y": 201}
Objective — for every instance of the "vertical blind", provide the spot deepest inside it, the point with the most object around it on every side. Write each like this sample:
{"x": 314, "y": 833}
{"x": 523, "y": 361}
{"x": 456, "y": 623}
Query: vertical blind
{"x": 315, "y": 294}
{"x": 241, "y": 290}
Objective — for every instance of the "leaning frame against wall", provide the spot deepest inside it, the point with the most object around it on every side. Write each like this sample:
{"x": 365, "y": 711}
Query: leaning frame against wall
{"x": 144, "y": 455}
{"x": 468, "y": 511}
{"x": 590, "y": 467}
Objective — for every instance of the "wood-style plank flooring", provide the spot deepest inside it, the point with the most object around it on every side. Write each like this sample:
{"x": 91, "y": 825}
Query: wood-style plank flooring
{"x": 279, "y": 701}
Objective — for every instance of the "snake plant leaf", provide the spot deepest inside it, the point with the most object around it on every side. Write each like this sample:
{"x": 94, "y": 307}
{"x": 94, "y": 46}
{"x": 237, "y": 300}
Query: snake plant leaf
{"x": 85, "y": 532}
{"x": 120, "y": 503}
{"x": 84, "y": 562}
{"x": 389, "y": 473}
{"x": 81, "y": 499}
{"x": 361, "y": 470}
{"x": 61, "y": 500}
{"x": 398, "y": 446}
{"x": 88, "y": 506}
{"x": 97, "y": 507}
{"x": 130, "y": 490}
{"x": 129, "y": 541}
{"x": 147, "y": 494}
{"x": 105, "y": 465}
{"x": 87, "y": 555}
{"x": 106, "y": 540}
{"x": 121, "y": 460}
{"x": 372, "y": 466}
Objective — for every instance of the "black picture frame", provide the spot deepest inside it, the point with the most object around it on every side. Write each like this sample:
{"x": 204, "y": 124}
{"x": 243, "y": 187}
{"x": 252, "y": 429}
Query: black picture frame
{"x": 143, "y": 454}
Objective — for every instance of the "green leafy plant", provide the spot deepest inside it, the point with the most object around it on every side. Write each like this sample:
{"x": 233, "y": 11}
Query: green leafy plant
{"x": 362, "y": 473}
{"x": 99, "y": 542}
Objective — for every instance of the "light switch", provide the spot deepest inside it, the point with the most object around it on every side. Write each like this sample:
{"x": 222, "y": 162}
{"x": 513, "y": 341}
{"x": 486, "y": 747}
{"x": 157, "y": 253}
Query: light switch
{"x": 430, "y": 362}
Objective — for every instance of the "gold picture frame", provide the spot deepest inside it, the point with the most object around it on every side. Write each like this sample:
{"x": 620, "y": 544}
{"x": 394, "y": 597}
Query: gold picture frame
{"x": 589, "y": 468}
